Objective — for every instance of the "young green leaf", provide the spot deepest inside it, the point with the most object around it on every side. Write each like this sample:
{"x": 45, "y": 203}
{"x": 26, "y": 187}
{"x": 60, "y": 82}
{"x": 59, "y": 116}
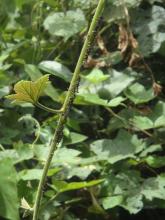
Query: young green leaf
{"x": 29, "y": 91}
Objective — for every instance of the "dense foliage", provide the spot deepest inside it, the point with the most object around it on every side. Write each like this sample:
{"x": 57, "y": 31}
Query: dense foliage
{"x": 110, "y": 163}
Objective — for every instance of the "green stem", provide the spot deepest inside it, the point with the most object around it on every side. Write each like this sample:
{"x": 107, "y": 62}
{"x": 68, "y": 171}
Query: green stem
{"x": 48, "y": 109}
{"x": 66, "y": 106}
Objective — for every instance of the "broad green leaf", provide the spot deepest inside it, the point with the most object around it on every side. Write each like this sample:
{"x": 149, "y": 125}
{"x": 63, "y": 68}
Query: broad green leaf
{"x": 24, "y": 152}
{"x": 75, "y": 138}
{"x": 155, "y": 119}
{"x": 61, "y": 186}
{"x": 154, "y": 187}
{"x": 65, "y": 24}
{"x": 9, "y": 154}
{"x": 71, "y": 156}
{"x": 133, "y": 189}
{"x": 158, "y": 114}
{"x": 114, "y": 12}
{"x": 111, "y": 87}
{"x": 133, "y": 203}
{"x": 3, "y": 57}
{"x": 89, "y": 99}
{"x": 151, "y": 149}
{"x": 32, "y": 174}
{"x": 119, "y": 81}
{"x": 57, "y": 69}
{"x": 155, "y": 161}
{"x": 4, "y": 91}
{"x": 117, "y": 13}
{"x": 82, "y": 172}
{"x": 7, "y": 134}
{"x": 112, "y": 201}
{"x": 96, "y": 76}
{"x": 53, "y": 171}
{"x": 20, "y": 153}
{"x": 147, "y": 28}
{"x": 143, "y": 122}
{"x": 138, "y": 94}
{"x": 125, "y": 188}
{"x": 116, "y": 101}
{"x": 28, "y": 91}
{"x": 8, "y": 190}
{"x": 123, "y": 146}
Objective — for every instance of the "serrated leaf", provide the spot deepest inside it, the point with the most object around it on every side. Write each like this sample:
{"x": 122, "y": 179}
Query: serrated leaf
{"x": 28, "y": 91}
{"x": 65, "y": 24}
{"x": 34, "y": 73}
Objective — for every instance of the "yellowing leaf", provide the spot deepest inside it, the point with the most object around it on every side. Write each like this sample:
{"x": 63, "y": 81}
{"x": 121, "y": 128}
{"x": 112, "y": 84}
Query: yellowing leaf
{"x": 28, "y": 91}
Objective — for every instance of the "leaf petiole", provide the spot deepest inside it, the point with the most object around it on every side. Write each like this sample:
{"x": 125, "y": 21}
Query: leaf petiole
{"x": 38, "y": 104}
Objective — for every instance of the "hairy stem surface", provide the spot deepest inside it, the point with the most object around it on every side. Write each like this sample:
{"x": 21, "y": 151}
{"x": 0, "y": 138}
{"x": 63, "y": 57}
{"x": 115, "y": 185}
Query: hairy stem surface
{"x": 66, "y": 106}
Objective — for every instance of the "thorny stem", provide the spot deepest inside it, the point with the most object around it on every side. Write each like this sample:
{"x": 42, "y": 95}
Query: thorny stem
{"x": 66, "y": 106}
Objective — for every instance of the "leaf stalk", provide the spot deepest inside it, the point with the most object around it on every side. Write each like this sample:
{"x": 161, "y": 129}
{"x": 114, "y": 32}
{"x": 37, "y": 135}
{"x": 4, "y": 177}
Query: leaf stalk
{"x": 51, "y": 110}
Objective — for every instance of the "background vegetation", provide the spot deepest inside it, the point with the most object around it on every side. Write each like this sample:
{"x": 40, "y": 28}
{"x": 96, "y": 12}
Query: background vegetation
{"x": 110, "y": 163}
